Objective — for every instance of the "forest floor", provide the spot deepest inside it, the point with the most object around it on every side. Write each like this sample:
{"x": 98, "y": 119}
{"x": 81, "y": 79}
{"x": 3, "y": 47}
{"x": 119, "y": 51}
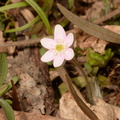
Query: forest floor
{"x": 39, "y": 93}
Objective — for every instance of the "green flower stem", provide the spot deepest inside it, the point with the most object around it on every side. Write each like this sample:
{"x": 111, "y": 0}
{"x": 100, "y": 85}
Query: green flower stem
{"x": 88, "y": 87}
{"x": 67, "y": 80}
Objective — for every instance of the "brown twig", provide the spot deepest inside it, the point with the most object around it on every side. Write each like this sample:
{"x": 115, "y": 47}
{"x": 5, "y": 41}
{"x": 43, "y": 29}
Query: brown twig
{"x": 21, "y": 43}
{"x": 108, "y": 16}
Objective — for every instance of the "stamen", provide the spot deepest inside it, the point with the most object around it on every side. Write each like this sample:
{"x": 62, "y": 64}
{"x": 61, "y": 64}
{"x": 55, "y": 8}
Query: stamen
{"x": 59, "y": 47}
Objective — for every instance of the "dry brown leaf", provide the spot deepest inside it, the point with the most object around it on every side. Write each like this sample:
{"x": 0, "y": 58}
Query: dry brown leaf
{"x": 116, "y": 3}
{"x": 29, "y": 116}
{"x": 70, "y": 110}
{"x": 2, "y": 41}
{"x": 114, "y": 28}
{"x": 95, "y": 11}
{"x": 32, "y": 89}
{"x": 27, "y": 14}
{"x": 84, "y": 41}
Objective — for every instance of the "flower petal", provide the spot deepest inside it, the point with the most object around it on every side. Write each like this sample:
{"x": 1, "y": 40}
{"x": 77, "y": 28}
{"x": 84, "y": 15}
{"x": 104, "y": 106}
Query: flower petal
{"x": 69, "y": 54}
{"x": 48, "y": 56}
{"x": 48, "y": 43}
{"x": 59, "y": 33}
{"x": 69, "y": 39}
{"x": 58, "y": 61}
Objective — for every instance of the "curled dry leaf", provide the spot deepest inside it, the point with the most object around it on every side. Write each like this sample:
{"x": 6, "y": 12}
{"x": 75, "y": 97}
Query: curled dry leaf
{"x": 70, "y": 110}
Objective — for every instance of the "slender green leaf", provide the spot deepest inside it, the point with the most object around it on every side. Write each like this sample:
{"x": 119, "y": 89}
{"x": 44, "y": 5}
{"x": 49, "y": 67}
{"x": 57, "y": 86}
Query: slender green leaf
{"x": 9, "y": 101}
{"x": 3, "y": 68}
{"x": 90, "y": 28}
{"x": 47, "y": 5}
{"x": 4, "y": 88}
{"x": 15, "y": 80}
{"x": 14, "y": 5}
{"x": 40, "y": 13}
{"x": 24, "y": 27}
{"x": 9, "y": 113}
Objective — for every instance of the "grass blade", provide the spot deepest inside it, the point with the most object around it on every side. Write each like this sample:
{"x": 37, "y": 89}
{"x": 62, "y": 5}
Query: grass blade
{"x": 12, "y": 6}
{"x": 24, "y": 27}
{"x": 40, "y": 13}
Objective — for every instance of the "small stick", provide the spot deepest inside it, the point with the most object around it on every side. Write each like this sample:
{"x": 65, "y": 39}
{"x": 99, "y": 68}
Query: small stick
{"x": 108, "y": 16}
{"x": 21, "y": 43}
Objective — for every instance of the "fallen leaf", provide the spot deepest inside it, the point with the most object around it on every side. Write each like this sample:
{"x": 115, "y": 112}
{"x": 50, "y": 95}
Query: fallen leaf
{"x": 95, "y": 11}
{"x": 2, "y": 41}
{"x": 29, "y": 116}
{"x": 69, "y": 109}
{"x": 85, "y": 41}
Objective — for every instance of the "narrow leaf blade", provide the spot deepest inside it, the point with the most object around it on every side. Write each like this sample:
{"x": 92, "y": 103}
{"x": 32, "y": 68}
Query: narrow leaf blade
{"x": 90, "y": 28}
{"x": 40, "y": 13}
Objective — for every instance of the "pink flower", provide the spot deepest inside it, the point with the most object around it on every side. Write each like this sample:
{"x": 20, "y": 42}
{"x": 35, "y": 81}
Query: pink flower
{"x": 59, "y": 47}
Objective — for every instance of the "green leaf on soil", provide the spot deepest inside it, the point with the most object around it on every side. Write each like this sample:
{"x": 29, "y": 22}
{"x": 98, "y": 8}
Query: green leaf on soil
{"x": 102, "y": 80}
{"x": 3, "y": 68}
{"x": 9, "y": 113}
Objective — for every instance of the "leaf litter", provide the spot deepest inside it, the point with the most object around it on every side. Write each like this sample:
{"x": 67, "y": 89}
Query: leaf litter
{"x": 32, "y": 89}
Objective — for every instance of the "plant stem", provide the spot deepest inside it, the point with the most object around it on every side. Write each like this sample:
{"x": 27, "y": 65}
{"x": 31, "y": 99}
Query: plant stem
{"x": 88, "y": 87}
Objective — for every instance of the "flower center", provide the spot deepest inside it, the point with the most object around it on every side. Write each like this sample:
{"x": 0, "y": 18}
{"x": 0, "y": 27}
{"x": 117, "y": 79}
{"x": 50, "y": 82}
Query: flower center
{"x": 59, "y": 47}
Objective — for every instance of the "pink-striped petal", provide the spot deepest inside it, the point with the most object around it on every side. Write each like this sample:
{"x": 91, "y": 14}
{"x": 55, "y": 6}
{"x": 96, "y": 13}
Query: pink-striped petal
{"x": 58, "y": 61}
{"x": 69, "y": 39}
{"x": 48, "y": 43}
{"x": 59, "y": 33}
{"x": 69, "y": 54}
{"x": 48, "y": 56}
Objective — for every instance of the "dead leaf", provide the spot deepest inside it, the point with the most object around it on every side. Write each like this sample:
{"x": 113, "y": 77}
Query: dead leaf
{"x": 116, "y": 3}
{"x": 27, "y": 14}
{"x": 95, "y": 11}
{"x": 29, "y": 116}
{"x": 2, "y": 41}
{"x": 85, "y": 41}
{"x": 32, "y": 90}
{"x": 70, "y": 110}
